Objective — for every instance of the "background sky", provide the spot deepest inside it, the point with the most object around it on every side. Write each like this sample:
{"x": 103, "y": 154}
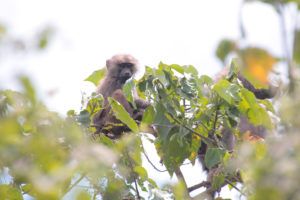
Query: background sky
{"x": 87, "y": 32}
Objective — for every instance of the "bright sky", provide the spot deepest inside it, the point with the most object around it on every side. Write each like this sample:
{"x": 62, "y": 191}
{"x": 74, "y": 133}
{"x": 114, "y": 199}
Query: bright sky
{"x": 88, "y": 32}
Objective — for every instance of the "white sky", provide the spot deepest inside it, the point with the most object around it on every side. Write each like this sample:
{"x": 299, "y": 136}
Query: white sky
{"x": 90, "y": 31}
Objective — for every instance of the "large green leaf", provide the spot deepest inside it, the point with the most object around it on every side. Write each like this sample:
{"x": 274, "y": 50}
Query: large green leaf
{"x": 227, "y": 91}
{"x": 123, "y": 115}
{"x": 149, "y": 115}
{"x": 96, "y": 76}
{"x": 128, "y": 89}
{"x": 256, "y": 114}
{"x": 213, "y": 157}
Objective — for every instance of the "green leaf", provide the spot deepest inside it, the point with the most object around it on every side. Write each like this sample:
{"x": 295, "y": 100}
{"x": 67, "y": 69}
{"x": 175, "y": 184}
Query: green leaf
{"x": 84, "y": 118}
{"x": 255, "y": 113}
{"x": 128, "y": 89}
{"x": 224, "y": 48}
{"x": 213, "y": 157}
{"x": 227, "y": 91}
{"x": 123, "y": 115}
{"x": 7, "y": 192}
{"x": 71, "y": 113}
{"x": 190, "y": 69}
{"x": 83, "y": 195}
{"x": 96, "y": 76}
{"x": 95, "y": 105}
{"x": 149, "y": 115}
{"x": 175, "y": 150}
{"x": 234, "y": 69}
{"x": 204, "y": 79}
{"x": 296, "y": 50}
{"x": 218, "y": 181}
{"x": 177, "y": 68}
{"x": 44, "y": 37}
{"x": 28, "y": 89}
{"x": 141, "y": 171}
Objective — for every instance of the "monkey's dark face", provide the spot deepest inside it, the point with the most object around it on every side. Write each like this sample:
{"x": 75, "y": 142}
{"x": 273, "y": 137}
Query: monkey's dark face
{"x": 125, "y": 71}
{"x": 122, "y": 71}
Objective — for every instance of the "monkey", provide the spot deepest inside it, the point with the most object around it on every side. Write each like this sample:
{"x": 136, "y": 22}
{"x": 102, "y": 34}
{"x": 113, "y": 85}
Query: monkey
{"x": 120, "y": 68}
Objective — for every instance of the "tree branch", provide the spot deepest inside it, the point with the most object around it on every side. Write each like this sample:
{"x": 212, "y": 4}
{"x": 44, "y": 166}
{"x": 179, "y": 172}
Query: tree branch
{"x": 199, "y": 185}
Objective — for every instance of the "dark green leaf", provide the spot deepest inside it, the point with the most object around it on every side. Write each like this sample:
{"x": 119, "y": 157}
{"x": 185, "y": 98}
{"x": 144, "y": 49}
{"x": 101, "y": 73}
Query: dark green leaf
{"x": 213, "y": 157}
{"x": 149, "y": 115}
{"x": 84, "y": 118}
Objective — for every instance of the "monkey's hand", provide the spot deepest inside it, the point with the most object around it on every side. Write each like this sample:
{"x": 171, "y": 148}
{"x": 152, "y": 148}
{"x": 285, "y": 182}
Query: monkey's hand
{"x": 141, "y": 104}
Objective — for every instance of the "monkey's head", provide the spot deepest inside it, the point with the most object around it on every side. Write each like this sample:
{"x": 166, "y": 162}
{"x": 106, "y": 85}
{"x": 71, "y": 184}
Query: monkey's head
{"x": 122, "y": 67}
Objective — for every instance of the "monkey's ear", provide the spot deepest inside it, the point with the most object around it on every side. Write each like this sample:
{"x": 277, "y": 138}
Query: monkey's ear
{"x": 108, "y": 63}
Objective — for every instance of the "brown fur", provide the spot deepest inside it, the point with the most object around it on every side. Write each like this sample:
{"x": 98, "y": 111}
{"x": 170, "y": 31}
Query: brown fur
{"x": 120, "y": 68}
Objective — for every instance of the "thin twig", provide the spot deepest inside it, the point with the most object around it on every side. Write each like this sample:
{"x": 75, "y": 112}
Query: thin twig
{"x": 135, "y": 178}
{"x": 75, "y": 183}
{"x": 148, "y": 159}
{"x": 233, "y": 186}
{"x": 205, "y": 139}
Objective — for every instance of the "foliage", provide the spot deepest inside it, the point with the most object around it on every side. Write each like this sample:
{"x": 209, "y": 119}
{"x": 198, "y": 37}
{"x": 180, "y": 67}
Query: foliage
{"x": 45, "y": 154}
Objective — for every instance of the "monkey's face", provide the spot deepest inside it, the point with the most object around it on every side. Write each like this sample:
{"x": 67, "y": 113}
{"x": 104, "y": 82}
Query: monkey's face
{"x": 125, "y": 71}
{"x": 121, "y": 67}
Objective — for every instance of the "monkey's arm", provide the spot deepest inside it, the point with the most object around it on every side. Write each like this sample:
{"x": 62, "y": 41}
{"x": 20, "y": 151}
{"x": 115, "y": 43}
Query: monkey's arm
{"x": 141, "y": 104}
{"x": 259, "y": 93}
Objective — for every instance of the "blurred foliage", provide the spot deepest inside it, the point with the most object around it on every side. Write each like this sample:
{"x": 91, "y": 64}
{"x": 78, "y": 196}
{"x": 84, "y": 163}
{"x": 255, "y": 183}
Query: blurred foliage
{"x": 270, "y": 169}
{"x": 257, "y": 63}
{"x": 10, "y": 42}
{"x": 47, "y": 156}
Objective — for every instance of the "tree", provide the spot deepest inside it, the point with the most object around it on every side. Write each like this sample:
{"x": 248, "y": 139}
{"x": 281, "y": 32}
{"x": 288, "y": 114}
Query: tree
{"x": 46, "y": 156}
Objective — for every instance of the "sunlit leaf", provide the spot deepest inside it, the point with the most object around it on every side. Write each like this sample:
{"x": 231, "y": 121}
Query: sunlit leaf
{"x": 228, "y": 91}
{"x": 96, "y": 76}
{"x": 190, "y": 69}
{"x": 8, "y": 192}
{"x": 123, "y": 115}
{"x": 141, "y": 171}
{"x": 128, "y": 89}
{"x": 178, "y": 68}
